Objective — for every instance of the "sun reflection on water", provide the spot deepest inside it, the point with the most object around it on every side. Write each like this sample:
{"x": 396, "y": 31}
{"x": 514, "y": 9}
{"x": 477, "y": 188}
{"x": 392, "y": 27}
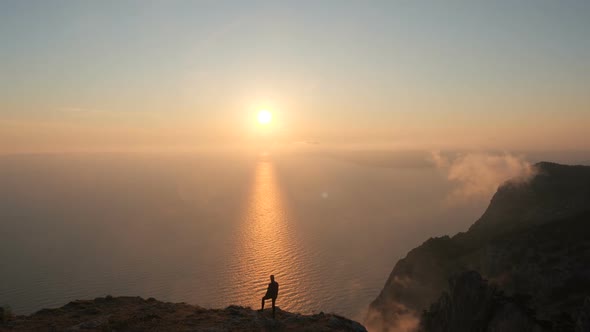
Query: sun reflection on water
{"x": 266, "y": 244}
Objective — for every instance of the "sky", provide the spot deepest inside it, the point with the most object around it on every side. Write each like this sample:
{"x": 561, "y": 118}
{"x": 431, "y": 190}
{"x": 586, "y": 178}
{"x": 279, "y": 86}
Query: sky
{"x": 118, "y": 75}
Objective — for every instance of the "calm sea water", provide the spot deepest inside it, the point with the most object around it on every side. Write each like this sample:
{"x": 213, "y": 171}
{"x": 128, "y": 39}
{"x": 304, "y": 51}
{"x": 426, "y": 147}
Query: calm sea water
{"x": 210, "y": 229}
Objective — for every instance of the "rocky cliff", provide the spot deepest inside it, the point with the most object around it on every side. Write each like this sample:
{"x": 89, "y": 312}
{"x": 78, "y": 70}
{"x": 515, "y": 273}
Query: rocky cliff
{"x": 532, "y": 242}
{"x": 137, "y": 314}
{"x": 471, "y": 304}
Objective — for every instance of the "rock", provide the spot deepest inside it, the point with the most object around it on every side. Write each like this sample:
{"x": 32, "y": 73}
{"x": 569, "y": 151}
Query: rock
{"x": 583, "y": 321}
{"x": 533, "y": 239}
{"x": 92, "y": 311}
{"x": 335, "y": 323}
{"x": 88, "y": 325}
{"x": 473, "y": 305}
{"x": 137, "y": 314}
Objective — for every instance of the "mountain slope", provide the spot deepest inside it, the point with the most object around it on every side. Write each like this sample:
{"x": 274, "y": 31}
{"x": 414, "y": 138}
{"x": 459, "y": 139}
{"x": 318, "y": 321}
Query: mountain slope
{"x": 534, "y": 239}
{"x": 474, "y": 305}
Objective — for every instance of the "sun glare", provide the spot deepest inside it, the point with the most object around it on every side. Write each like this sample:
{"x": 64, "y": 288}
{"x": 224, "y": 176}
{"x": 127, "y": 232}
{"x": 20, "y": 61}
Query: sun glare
{"x": 264, "y": 117}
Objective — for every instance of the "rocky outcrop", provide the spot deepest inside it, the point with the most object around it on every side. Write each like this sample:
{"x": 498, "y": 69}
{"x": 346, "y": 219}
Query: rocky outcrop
{"x": 533, "y": 240}
{"x": 137, "y": 314}
{"x": 556, "y": 192}
{"x": 583, "y": 321}
{"x": 471, "y": 304}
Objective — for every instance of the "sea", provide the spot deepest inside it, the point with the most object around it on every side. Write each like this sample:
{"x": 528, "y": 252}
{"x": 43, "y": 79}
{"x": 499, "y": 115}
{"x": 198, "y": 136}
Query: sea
{"x": 209, "y": 228}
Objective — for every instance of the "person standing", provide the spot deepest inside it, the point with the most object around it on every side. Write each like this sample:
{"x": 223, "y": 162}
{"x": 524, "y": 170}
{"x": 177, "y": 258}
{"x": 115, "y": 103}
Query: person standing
{"x": 271, "y": 293}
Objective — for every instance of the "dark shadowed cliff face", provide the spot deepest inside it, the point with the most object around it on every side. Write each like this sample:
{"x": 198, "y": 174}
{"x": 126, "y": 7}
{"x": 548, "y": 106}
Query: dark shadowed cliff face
{"x": 471, "y": 304}
{"x": 556, "y": 192}
{"x": 533, "y": 240}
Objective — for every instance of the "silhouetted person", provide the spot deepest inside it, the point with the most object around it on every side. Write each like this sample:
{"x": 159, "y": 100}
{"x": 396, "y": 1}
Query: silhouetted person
{"x": 271, "y": 293}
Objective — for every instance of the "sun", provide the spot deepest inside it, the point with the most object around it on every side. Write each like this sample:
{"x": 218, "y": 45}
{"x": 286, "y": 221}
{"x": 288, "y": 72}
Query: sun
{"x": 264, "y": 117}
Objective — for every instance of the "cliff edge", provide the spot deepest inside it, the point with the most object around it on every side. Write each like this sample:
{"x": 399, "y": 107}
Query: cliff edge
{"x": 137, "y": 314}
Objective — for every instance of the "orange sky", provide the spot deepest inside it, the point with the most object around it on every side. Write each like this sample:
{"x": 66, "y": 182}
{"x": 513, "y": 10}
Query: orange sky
{"x": 111, "y": 76}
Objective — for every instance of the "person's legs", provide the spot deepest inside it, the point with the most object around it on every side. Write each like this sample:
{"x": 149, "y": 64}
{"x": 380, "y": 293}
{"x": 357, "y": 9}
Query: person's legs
{"x": 273, "y": 306}
{"x": 262, "y": 307}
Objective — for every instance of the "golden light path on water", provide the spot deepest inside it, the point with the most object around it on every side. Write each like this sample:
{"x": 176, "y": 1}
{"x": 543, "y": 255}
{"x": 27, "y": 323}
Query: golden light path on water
{"x": 266, "y": 243}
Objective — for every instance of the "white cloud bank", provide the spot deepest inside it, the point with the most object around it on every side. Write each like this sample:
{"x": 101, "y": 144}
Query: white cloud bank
{"x": 478, "y": 175}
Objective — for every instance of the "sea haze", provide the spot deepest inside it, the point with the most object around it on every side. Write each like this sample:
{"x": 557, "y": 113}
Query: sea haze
{"x": 209, "y": 229}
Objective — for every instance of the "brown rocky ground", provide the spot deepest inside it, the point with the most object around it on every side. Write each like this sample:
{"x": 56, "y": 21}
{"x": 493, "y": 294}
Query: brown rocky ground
{"x": 138, "y": 314}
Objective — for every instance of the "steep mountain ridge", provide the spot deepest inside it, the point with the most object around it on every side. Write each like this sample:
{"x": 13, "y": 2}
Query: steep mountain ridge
{"x": 554, "y": 192}
{"x": 534, "y": 239}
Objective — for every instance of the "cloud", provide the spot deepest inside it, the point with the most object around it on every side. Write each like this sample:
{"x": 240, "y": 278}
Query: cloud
{"x": 78, "y": 110}
{"x": 84, "y": 111}
{"x": 439, "y": 160}
{"x": 400, "y": 319}
{"x": 478, "y": 175}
